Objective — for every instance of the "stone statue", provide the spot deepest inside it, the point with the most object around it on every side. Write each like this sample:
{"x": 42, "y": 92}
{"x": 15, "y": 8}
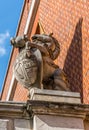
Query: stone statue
{"x": 34, "y": 65}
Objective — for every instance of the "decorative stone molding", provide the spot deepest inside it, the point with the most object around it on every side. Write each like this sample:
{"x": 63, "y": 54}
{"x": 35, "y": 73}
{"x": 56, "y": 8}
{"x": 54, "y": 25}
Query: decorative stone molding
{"x": 58, "y": 109}
{"x": 44, "y": 114}
{"x": 61, "y": 114}
{"x": 13, "y": 110}
{"x": 14, "y": 116}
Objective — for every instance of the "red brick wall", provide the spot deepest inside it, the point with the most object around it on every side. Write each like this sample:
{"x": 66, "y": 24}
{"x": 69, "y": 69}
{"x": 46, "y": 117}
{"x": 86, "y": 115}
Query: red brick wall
{"x": 21, "y": 94}
{"x": 69, "y": 21}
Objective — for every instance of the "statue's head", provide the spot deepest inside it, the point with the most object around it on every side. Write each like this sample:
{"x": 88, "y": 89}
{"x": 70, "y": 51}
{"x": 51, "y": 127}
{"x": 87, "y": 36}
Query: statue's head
{"x": 19, "y": 41}
{"x": 44, "y": 40}
{"x": 49, "y": 43}
{"x": 42, "y": 37}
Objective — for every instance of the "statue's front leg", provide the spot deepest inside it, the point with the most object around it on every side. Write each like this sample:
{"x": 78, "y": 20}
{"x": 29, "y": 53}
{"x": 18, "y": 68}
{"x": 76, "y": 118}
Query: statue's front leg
{"x": 60, "y": 80}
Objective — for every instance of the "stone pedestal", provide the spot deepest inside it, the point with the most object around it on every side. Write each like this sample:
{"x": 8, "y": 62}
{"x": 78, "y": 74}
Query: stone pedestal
{"x": 54, "y": 96}
{"x": 46, "y": 110}
{"x": 56, "y": 110}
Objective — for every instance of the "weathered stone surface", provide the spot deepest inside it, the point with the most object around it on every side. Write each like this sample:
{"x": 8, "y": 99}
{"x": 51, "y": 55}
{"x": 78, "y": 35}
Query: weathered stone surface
{"x": 86, "y": 124}
{"x": 35, "y": 107}
{"x": 45, "y": 122}
{"x": 6, "y": 124}
{"x": 22, "y": 124}
{"x": 10, "y": 124}
{"x": 3, "y": 124}
{"x": 43, "y": 115}
{"x": 54, "y": 96}
{"x": 13, "y": 110}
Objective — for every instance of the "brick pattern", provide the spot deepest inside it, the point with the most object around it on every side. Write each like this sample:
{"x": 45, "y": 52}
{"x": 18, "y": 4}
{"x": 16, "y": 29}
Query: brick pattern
{"x": 24, "y": 17}
{"x": 69, "y": 21}
{"x": 21, "y": 94}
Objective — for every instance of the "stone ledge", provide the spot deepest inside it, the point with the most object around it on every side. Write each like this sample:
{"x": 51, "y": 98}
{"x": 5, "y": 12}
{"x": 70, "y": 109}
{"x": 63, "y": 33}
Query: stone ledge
{"x": 54, "y": 108}
{"x": 54, "y": 96}
{"x": 13, "y": 110}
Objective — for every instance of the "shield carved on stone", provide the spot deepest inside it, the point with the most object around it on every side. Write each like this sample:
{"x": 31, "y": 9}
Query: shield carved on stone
{"x": 26, "y": 68}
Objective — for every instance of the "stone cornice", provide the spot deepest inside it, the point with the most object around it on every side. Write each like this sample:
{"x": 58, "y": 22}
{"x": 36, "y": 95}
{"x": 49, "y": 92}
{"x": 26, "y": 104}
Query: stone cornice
{"x": 13, "y": 110}
{"x": 34, "y": 107}
{"x": 60, "y": 109}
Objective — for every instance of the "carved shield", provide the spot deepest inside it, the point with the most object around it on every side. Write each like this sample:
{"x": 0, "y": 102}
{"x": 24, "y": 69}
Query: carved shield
{"x": 26, "y": 68}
